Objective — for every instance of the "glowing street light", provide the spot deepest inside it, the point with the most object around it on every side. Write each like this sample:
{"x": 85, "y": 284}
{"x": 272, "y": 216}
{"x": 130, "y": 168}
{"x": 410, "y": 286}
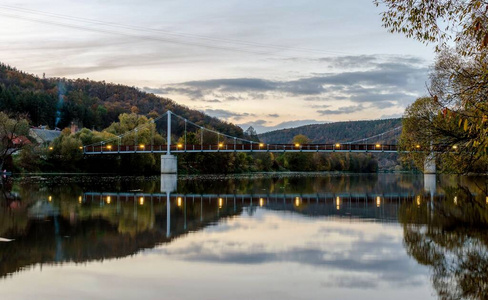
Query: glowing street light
{"x": 180, "y": 146}
{"x": 297, "y": 201}
{"x": 221, "y": 202}
{"x": 338, "y": 203}
{"x": 50, "y": 198}
{"x": 378, "y": 201}
{"x": 109, "y": 199}
{"x": 261, "y": 145}
{"x": 142, "y": 146}
{"x": 51, "y": 148}
{"x": 109, "y": 147}
{"x": 378, "y": 145}
{"x": 338, "y": 145}
{"x": 178, "y": 201}
{"x": 454, "y": 147}
{"x": 79, "y": 199}
{"x": 141, "y": 201}
{"x": 261, "y": 202}
{"x": 417, "y": 146}
{"x": 221, "y": 145}
{"x": 297, "y": 145}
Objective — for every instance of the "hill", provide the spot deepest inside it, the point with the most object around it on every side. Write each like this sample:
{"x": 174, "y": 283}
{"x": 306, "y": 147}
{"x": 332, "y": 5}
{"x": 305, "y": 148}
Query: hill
{"x": 339, "y": 132}
{"x": 57, "y": 102}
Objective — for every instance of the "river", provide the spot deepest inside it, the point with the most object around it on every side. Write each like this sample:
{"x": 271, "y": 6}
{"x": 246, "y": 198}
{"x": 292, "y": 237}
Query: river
{"x": 260, "y": 236}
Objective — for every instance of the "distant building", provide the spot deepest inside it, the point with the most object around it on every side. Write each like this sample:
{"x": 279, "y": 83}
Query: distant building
{"x": 74, "y": 128}
{"x": 19, "y": 141}
{"x": 44, "y": 136}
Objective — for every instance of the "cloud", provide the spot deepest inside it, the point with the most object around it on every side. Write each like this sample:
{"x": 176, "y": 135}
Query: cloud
{"x": 363, "y": 61}
{"x": 160, "y": 91}
{"x": 394, "y": 81}
{"x": 233, "y": 85}
{"x": 260, "y": 125}
{"x": 226, "y": 114}
{"x": 341, "y": 110}
{"x": 321, "y": 106}
{"x": 273, "y": 115}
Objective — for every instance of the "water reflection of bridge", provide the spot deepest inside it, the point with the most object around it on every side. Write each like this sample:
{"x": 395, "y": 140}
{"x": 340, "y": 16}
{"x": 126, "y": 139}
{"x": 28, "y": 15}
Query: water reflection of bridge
{"x": 377, "y": 206}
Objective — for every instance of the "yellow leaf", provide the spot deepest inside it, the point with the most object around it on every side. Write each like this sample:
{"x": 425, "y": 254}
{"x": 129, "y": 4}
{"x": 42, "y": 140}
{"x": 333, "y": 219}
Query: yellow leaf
{"x": 466, "y": 125}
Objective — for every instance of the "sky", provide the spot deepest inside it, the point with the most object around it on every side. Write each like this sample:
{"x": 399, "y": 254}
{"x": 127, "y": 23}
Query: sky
{"x": 267, "y": 64}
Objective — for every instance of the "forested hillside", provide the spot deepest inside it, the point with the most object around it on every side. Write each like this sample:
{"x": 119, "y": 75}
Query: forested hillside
{"x": 339, "y": 132}
{"x": 112, "y": 110}
{"x": 57, "y": 102}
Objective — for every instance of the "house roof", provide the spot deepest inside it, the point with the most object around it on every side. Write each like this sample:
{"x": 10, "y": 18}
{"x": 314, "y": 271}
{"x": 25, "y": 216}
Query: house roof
{"x": 21, "y": 140}
{"x": 44, "y": 136}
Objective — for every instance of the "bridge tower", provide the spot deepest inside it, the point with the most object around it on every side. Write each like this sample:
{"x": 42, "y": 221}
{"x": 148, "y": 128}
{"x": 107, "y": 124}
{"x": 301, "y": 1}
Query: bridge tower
{"x": 429, "y": 164}
{"x": 169, "y": 163}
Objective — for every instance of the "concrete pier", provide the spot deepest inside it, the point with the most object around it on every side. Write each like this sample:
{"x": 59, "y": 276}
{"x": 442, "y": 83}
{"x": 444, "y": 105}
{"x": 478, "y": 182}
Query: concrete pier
{"x": 168, "y": 183}
{"x": 429, "y": 164}
{"x": 169, "y": 164}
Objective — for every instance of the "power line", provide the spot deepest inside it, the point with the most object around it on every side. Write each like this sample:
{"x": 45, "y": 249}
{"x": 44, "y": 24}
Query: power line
{"x": 131, "y": 35}
{"x": 374, "y": 136}
{"x": 145, "y": 29}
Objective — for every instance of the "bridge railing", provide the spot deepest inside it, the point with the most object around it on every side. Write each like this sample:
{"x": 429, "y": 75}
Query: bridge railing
{"x": 240, "y": 147}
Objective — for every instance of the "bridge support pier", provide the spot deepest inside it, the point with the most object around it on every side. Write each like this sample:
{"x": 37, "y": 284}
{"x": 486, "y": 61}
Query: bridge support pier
{"x": 169, "y": 164}
{"x": 429, "y": 164}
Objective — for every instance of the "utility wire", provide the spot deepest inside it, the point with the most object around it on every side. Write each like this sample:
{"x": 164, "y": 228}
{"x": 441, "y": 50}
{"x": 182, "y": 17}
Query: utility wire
{"x": 213, "y": 131}
{"x": 145, "y": 29}
{"x": 151, "y": 38}
{"x": 374, "y": 136}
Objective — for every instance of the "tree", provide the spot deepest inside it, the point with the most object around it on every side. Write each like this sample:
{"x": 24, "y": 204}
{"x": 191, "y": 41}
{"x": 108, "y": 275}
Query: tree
{"x": 13, "y": 136}
{"x": 300, "y": 139}
{"x": 456, "y": 115}
{"x": 453, "y": 120}
{"x": 252, "y": 134}
{"x": 464, "y": 21}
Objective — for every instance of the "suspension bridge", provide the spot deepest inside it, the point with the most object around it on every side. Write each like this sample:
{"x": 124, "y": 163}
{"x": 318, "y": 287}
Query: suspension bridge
{"x": 205, "y": 140}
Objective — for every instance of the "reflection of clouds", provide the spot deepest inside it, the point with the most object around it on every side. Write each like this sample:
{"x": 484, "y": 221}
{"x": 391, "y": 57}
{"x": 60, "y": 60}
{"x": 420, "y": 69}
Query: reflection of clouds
{"x": 230, "y": 227}
{"x": 363, "y": 258}
{"x": 366, "y": 253}
{"x": 328, "y": 231}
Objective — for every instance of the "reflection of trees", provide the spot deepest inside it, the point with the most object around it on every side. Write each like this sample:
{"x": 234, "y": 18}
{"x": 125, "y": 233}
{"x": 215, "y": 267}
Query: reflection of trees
{"x": 98, "y": 231}
{"x": 451, "y": 237}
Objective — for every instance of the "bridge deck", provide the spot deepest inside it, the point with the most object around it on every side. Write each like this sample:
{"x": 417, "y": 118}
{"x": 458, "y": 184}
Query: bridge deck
{"x": 226, "y": 148}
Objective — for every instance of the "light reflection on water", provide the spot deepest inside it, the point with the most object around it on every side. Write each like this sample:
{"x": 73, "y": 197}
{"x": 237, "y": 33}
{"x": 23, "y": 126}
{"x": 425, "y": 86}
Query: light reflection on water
{"x": 296, "y": 237}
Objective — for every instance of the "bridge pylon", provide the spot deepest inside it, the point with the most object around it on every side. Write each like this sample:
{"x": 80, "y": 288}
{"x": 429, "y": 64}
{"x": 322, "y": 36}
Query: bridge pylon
{"x": 169, "y": 162}
{"x": 429, "y": 164}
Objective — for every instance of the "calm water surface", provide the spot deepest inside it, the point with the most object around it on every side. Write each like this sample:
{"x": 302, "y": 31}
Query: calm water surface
{"x": 331, "y": 236}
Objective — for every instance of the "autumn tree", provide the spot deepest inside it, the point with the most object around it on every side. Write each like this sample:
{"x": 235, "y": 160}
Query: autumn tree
{"x": 456, "y": 115}
{"x": 463, "y": 21}
{"x": 13, "y": 136}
